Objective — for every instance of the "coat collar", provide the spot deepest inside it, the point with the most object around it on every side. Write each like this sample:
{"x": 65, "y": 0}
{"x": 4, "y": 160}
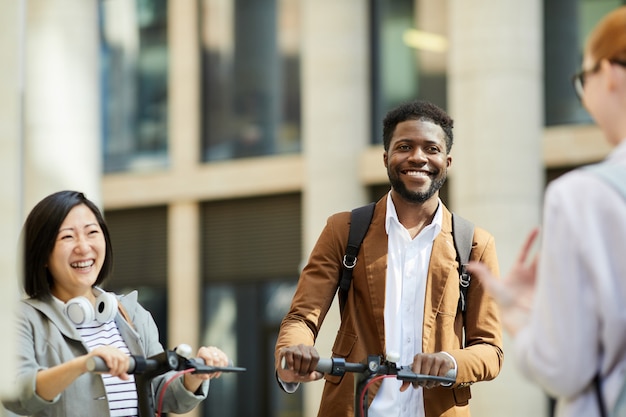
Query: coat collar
{"x": 54, "y": 312}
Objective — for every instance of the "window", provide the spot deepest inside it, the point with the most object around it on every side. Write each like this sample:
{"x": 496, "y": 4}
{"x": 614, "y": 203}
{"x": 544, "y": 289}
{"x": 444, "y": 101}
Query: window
{"x": 566, "y": 27}
{"x": 133, "y": 36}
{"x": 250, "y": 78}
{"x": 409, "y": 44}
{"x": 251, "y": 239}
{"x": 139, "y": 240}
{"x": 251, "y": 257}
{"x": 243, "y": 319}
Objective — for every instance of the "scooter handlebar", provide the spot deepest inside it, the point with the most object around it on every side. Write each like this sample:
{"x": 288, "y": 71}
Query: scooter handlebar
{"x": 97, "y": 364}
{"x": 339, "y": 366}
{"x": 139, "y": 364}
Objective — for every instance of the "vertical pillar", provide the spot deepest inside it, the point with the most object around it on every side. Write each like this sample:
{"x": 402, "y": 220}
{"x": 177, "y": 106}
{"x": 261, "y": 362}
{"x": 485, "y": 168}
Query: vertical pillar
{"x": 183, "y": 275}
{"x": 335, "y": 127}
{"x": 62, "y": 111}
{"x": 183, "y": 272}
{"x": 184, "y": 73}
{"x": 183, "y": 252}
{"x": 495, "y": 96}
{"x": 11, "y": 197}
{"x": 49, "y": 132}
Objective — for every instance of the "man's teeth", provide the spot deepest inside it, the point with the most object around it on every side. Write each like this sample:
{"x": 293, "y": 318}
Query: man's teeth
{"x": 417, "y": 173}
{"x": 82, "y": 264}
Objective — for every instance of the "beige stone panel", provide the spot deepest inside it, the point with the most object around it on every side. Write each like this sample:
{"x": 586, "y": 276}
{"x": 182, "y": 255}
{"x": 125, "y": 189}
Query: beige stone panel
{"x": 62, "y": 111}
{"x": 496, "y": 179}
{"x": 372, "y": 167}
{"x": 11, "y": 44}
{"x": 335, "y": 108}
{"x": 183, "y": 277}
{"x": 219, "y": 180}
{"x": 184, "y": 84}
{"x": 335, "y": 128}
{"x": 566, "y": 146}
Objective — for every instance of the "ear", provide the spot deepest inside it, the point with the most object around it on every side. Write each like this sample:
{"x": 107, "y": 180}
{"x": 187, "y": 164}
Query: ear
{"x": 613, "y": 78}
{"x": 618, "y": 78}
{"x": 385, "y": 159}
{"x": 448, "y": 160}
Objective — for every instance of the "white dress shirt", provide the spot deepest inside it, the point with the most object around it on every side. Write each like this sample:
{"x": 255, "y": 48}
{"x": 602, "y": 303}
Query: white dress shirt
{"x": 578, "y": 322}
{"x": 407, "y": 270}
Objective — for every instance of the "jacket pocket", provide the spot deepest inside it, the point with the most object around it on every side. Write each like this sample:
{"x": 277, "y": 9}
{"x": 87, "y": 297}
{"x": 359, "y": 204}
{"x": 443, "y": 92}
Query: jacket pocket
{"x": 462, "y": 395}
{"x": 341, "y": 349}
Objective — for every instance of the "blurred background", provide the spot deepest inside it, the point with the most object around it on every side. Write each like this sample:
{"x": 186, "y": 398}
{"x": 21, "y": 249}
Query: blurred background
{"x": 218, "y": 136}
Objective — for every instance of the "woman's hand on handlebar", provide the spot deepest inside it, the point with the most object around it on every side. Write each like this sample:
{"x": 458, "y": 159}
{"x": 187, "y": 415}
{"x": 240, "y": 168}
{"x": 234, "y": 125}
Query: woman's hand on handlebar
{"x": 211, "y": 356}
{"x": 298, "y": 364}
{"x": 437, "y": 364}
{"x": 116, "y": 360}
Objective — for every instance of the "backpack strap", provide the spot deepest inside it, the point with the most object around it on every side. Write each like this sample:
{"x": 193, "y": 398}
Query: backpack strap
{"x": 360, "y": 219}
{"x": 463, "y": 235}
{"x": 614, "y": 175}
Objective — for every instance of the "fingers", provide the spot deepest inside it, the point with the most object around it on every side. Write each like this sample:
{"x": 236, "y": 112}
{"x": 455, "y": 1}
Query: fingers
{"x": 116, "y": 360}
{"x": 496, "y": 287}
{"x": 436, "y": 364}
{"x": 480, "y": 271}
{"x": 502, "y": 294}
{"x": 212, "y": 356}
{"x": 298, "y": 364}
{"x": 528, "y": 244}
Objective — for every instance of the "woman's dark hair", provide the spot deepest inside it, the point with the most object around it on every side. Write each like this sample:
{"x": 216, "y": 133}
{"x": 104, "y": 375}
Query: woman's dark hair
{"x": 40, "y": 234}
{"x": 417, "y": 110}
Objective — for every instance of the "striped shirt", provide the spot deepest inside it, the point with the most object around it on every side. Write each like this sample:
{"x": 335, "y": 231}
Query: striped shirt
{"x": 122, "y": 395}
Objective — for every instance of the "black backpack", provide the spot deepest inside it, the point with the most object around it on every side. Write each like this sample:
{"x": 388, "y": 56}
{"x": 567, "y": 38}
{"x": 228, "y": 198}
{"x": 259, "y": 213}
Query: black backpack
{"x": 360, "y": 219}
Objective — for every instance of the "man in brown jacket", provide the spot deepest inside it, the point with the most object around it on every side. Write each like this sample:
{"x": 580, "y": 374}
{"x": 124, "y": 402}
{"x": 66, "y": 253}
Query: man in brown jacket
{"x": 405, "y": 288}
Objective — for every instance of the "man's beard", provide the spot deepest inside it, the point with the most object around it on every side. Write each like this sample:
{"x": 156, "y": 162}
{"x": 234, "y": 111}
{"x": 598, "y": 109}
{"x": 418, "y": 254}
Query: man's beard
{"x": 416, "y": 197}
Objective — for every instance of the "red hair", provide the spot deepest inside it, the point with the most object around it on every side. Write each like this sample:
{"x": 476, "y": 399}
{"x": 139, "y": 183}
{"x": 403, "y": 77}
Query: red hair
{"x": 608, "y": 39}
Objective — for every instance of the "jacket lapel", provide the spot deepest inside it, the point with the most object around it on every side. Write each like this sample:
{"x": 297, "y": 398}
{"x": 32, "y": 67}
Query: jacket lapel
{"x": 442, "y": 260}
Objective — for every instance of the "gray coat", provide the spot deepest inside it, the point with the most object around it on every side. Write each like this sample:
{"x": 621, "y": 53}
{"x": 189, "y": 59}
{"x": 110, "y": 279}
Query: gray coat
{"x": 47, "y": 338}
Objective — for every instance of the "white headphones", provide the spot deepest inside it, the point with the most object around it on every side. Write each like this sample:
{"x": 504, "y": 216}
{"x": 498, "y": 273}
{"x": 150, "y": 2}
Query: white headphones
{"x": 80, "y": 310}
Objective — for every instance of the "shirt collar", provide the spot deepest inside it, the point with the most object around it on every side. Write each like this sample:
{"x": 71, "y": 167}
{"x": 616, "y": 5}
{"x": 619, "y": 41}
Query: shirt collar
{"x": 391, "y": 216}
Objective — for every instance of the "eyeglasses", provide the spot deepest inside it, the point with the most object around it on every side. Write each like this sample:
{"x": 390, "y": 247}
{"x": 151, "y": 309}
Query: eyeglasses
{"x": 579, "y": 78}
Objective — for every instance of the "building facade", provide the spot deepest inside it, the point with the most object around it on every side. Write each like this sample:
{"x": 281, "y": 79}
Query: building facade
{"x": 218, "y": 136}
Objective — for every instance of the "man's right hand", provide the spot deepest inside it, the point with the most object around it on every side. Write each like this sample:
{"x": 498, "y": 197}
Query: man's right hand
{"x": 298, "y": 364}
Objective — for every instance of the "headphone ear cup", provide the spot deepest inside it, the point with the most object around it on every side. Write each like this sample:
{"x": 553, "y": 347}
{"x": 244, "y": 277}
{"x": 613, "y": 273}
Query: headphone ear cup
{"x": 106, "y": 307}
{"x": 79, "y": 310}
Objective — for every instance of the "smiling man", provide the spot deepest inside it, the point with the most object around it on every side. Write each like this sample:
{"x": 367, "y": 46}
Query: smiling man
{"x": 405, "y": 293}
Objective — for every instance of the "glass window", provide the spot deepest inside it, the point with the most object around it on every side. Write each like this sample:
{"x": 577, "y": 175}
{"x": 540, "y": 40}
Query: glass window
{"x": 409, "y": 45}
{"x": 250, "y": 78}
{"x": 251, "y": 257}
{"x": 566, "y": 27}
{"x": 133, "y": 36}
{"x": 243, "y": 320}
{"x": 251, "y": 238}
{"x": 139, "y": 239}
